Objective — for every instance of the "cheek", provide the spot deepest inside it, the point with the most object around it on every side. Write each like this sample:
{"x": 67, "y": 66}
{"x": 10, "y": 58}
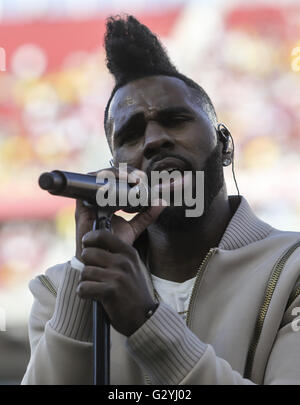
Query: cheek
{"x": 199, "y": 144}
{"x": 204, "y": 138}
{"x": 131, "y": 156}
{"x": 198, "y": 141}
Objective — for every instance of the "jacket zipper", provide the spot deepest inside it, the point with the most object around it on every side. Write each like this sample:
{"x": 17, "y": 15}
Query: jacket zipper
{"x": 199, "y": 275}
{"x": 48, "y": 284}
{"x": 293, "y": 297}
{"x": 272, "y": 283}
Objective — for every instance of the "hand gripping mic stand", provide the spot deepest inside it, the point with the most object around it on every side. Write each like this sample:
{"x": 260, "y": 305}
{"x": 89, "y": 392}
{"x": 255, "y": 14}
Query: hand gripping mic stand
{"x": 85, "y": 187}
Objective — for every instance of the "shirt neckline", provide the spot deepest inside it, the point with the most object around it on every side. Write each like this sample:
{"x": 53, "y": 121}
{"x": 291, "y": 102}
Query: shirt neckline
{"x": 168, "y": 283}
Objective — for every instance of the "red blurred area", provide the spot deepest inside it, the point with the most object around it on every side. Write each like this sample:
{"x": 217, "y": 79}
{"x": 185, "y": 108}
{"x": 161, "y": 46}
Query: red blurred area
{"x": 59, "y": 38}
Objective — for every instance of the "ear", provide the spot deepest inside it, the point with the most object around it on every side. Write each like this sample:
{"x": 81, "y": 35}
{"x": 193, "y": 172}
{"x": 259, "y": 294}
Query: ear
{"x": 228, "y": 148}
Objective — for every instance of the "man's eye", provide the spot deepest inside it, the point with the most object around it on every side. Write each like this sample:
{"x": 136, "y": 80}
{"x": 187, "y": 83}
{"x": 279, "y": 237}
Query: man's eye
{"x": 129, "y": 137}
{"x": 180, "y": 119}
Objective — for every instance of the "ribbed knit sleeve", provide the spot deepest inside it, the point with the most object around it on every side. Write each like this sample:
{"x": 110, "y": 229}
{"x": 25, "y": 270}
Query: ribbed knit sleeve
{"x": 72, "y": 315}
{"x": 165, "y": 348}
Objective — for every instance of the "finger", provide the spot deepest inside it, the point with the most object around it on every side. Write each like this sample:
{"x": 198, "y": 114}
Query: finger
{"x": 122, "y": 228}
{"x": 107, "y": 241}
{"x": 93, "y": 290}
{"x": 100, "y": 274}
{"x": 123, "y": 172}
{"x": 89, "y": 212}
{"x": 136, "y": 176}
{"x": 111, "y": 173}
{"x": 142, "y": 220}
{"x": 94, "y": 256}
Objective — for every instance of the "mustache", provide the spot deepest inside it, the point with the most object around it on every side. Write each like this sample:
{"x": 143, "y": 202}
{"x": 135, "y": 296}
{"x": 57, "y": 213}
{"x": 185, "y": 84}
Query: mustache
{"x": 163, "y": 155}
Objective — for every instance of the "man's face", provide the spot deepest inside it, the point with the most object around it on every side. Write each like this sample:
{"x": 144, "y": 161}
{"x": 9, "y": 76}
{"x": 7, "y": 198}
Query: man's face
{"x": 155, "y": 122}
{"x": 157, "y": 116}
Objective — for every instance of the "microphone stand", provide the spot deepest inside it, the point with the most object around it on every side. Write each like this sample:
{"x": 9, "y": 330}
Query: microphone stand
{"x": 101, "y": 326}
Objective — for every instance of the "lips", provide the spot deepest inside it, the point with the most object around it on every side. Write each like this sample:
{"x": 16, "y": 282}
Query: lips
{"x": 169, "y": 164}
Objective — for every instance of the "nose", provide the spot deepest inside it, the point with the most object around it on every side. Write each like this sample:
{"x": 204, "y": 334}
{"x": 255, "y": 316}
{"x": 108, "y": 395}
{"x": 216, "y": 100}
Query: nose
{"x": 156, "y": 139}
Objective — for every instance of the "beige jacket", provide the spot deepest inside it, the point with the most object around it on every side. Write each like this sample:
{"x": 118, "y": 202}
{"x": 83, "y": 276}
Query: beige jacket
{"x": 242, "y": 325}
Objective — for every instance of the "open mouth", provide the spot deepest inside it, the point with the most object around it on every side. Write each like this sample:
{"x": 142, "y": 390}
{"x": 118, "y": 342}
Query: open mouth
{"x": 175, "y": 170}
{"x": 170, "y": 165}
{"x": 171, "y": 170}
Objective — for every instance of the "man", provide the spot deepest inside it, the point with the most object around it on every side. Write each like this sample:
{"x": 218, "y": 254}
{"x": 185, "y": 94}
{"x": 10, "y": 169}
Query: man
{"x": 226, "y": 283}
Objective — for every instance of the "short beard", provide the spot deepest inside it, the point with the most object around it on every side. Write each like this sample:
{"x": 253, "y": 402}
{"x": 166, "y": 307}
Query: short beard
{"x": 175, "y": 219}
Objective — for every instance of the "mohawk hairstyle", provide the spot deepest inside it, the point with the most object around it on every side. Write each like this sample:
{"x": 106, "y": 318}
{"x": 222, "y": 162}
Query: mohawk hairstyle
{"x": 134, "y": 52}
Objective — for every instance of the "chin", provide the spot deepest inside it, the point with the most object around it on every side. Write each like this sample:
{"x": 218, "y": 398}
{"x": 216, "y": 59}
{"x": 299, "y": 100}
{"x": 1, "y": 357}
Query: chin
{"x": 174, "y": 219}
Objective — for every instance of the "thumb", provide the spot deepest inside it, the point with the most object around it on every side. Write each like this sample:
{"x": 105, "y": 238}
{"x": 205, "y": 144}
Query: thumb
{"x": 142, "y": 220}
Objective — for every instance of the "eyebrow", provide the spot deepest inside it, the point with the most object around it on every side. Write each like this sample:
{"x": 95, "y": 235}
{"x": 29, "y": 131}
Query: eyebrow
{"x": 160, "y": 114}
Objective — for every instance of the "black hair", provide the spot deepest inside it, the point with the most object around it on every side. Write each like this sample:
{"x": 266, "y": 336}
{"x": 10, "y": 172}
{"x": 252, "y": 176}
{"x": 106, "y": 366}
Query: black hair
{"x": 134, "y": 52}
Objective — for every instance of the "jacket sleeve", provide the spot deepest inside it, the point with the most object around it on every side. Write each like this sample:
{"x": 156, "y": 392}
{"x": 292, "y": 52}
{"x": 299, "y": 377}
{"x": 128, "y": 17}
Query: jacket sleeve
{"x": 178, "y": 356}
{"x": 171, "y": 354}
{"x": 283, "y": 366}
{"x": 60, "y": 332}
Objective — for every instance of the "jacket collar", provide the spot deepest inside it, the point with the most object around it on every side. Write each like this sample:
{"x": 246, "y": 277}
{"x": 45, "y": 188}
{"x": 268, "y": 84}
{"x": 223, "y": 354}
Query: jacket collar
{"x": 244, "y": 228}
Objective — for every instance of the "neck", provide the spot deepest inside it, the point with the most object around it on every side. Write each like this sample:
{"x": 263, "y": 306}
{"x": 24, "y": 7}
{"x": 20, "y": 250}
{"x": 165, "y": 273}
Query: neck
{"x": 176, "y": 255}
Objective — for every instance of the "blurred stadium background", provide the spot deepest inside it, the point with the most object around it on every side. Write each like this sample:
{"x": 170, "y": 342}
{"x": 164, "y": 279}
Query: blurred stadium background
{"x": 53, "y": 90}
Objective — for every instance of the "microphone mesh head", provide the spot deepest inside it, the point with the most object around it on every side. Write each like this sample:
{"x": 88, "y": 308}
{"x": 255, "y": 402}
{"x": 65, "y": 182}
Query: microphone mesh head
{"x": 46, "y": 181}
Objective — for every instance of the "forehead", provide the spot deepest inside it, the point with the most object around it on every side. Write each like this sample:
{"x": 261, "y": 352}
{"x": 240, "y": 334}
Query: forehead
{"x": 157, "y": 92}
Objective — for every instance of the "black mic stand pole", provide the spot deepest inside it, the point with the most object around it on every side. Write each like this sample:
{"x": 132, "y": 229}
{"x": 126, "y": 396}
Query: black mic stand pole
{"x": 101, "y": 326}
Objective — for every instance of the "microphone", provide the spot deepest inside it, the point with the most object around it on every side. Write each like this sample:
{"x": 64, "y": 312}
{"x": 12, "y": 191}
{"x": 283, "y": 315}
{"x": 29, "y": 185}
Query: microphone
{"x": 86, "y": 186}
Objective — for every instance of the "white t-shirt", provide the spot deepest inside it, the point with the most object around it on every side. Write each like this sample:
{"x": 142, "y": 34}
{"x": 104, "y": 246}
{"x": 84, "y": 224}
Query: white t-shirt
{"x": 176, "y": 295}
